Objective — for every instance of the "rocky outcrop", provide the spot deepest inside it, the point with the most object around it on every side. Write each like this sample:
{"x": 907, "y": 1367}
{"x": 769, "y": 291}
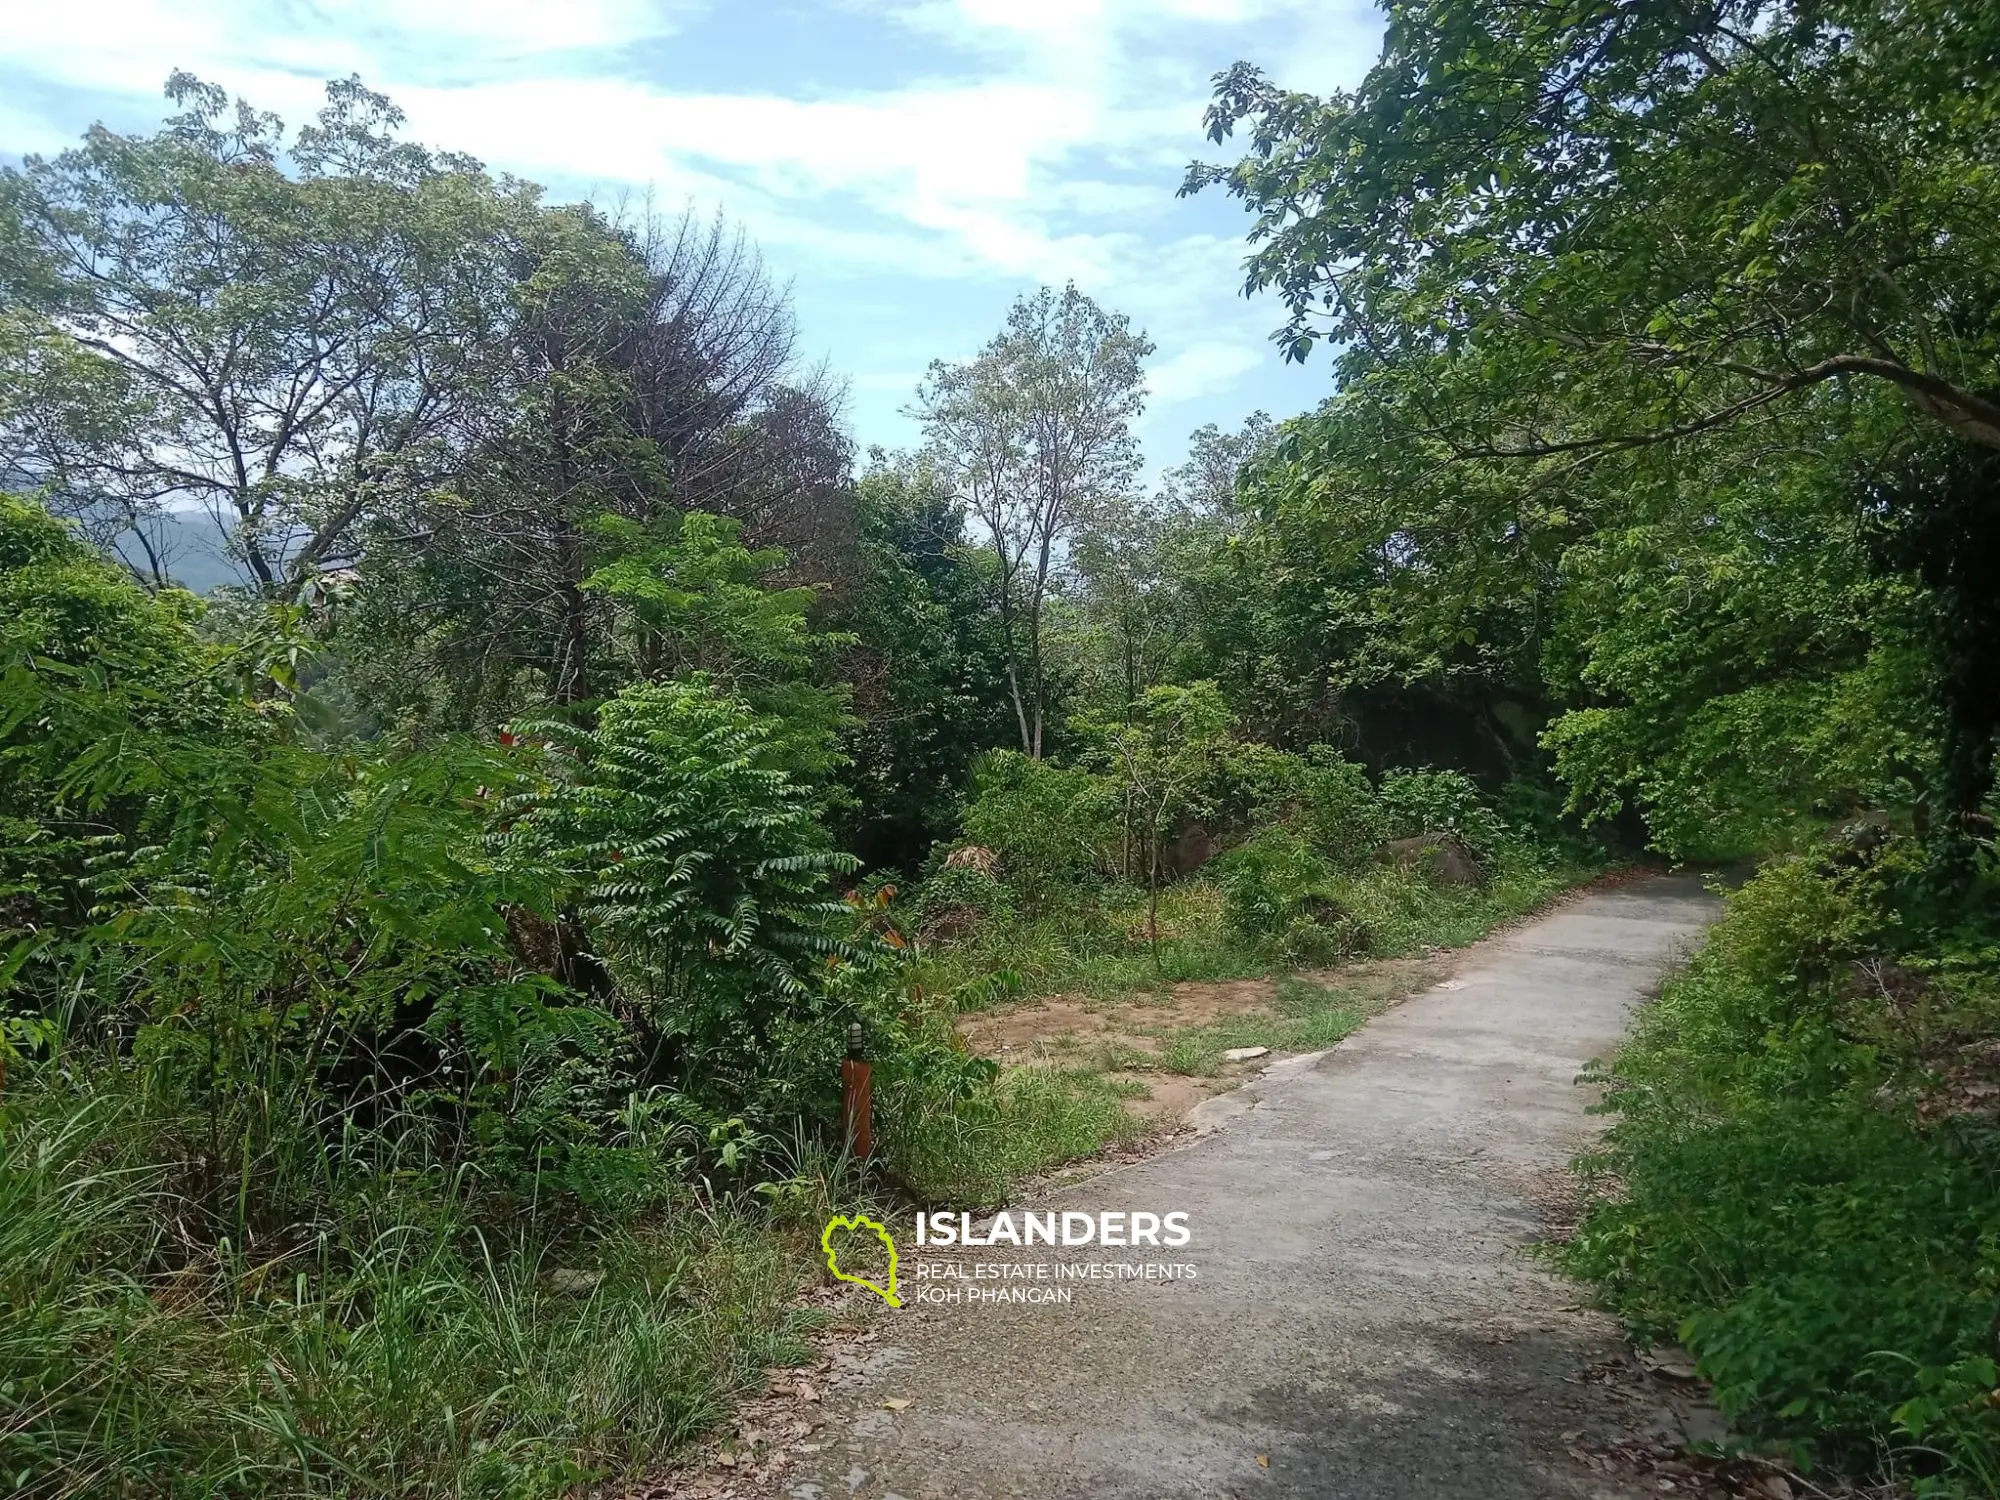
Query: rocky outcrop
{"x": 1439, "y": 857}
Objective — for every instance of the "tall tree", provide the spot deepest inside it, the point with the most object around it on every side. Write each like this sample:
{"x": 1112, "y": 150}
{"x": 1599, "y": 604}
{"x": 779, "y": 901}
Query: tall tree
{"x": 647, "y": 373}
{"x": 1576, "y": 228}
{"x": 286, "y": 336}
{"x": 1031, "y": 434}
{"x": 1608, "y": 271}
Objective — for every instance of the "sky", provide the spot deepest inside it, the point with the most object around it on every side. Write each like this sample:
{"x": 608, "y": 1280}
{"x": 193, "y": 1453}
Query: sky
{"x": 908, "y": 166}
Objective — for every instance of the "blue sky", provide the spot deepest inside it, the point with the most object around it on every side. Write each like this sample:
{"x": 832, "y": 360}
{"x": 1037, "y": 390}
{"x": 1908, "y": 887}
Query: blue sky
{"x": 908, "y": 165}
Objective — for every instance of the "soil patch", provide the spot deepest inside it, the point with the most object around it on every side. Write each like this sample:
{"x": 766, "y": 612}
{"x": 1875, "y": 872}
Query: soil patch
{"x": 1127, "y": 1038}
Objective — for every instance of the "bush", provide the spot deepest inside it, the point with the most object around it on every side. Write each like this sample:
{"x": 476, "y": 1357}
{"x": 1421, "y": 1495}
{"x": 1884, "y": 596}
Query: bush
{"x": 698, "y": 868}
{"x": 1341, "y": 813}
{"x": 955, "y": 898}
{"x": 1053, "y": 827}
{"x": 1418, "y": 802}
{"x": 1280, "y": 893}
{"x": 1784, "y": 1208}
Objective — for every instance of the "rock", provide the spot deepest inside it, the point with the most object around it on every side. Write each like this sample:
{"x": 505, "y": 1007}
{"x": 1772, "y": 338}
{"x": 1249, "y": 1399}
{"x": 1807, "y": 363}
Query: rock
{"x": 1669, "y": 1360}
{"x": 575, "y": 1283}
{"x": 1440, "y": 857}
{"x": 1193, "y": 847}
{"x": 1244, "y": 1054}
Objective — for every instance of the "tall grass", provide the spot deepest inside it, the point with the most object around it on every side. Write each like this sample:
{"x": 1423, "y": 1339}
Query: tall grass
{"x": 973, "y": 1155}
{"x": 1097, "y": 943}
{"x": 416, "y": 1344}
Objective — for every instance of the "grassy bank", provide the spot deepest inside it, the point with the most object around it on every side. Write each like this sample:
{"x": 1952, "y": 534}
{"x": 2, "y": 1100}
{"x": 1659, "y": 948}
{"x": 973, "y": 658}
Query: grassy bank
{"x": 412, "y": 1342}
{"x": 1803, "y": 1180}
{"x": 1098, "y": 943}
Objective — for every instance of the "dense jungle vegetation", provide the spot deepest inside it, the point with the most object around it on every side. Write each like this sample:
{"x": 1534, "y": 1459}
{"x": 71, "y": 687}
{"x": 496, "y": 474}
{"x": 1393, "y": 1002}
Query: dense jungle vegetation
{"x": 424, "y": 964}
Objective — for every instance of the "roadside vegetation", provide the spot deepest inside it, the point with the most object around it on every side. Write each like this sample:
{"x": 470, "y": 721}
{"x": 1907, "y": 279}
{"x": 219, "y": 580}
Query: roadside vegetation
{"x": 1666, "y": 354}
{"x": 425, "y": 959}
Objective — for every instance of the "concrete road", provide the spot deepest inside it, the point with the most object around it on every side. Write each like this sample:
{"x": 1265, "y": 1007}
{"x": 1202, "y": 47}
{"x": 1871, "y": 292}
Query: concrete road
{"x": 1362, "y": 1325}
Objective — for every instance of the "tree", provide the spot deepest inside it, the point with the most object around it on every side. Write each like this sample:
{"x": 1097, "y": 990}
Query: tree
{"x": 1561, "y": 231}
{"x": 194, "y": 325}
{"x": 926, "y": 662}
{"x": 647, "y": 375}
{"x": 691, "y": 600}
{"x": 1031, "y": 434}
{"x": 1138, "y": 564}
{"x": 1701, "y": 287}
{"x": 1209, "y": 481}
{"x": 1172, "y": 744}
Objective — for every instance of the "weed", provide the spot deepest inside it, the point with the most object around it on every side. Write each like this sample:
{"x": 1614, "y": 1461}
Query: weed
{"x": 411, "y": 1348}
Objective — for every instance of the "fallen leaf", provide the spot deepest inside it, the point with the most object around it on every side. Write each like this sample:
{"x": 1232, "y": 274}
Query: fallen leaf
{"x": 897, "y": 1403}
{"x": 1263, "y": 1460}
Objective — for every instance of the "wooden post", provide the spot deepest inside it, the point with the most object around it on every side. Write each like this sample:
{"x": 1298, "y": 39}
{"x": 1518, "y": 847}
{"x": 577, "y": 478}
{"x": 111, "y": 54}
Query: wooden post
{"x": 856, "y": 1103}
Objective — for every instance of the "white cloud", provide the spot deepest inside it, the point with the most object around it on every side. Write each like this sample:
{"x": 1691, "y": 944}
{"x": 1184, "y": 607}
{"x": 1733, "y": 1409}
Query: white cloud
{"x": 1200, "y": 369}
{"x": 1039, "y": 140}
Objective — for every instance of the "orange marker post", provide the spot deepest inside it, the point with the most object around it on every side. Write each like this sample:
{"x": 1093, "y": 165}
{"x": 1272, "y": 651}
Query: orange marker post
{"x": 856, "y": 1096}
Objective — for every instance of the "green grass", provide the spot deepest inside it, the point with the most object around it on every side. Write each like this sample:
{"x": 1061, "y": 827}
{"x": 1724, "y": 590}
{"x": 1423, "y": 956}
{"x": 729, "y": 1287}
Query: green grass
{"x": 407, "y": 1348}
{"x": 1097, "y": 946}
{"x": 972, "y": 1155}
{"x": 1404, "y": 913}
{"x": 1310, "y": 1018}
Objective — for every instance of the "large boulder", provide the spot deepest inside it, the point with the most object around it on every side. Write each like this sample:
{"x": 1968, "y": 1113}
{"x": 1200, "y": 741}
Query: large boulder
{"x": 1191, "y": 848}
{"x": 1442, "y": 858}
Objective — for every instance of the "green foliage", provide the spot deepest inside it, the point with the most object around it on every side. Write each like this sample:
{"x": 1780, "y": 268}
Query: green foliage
{"x": 970, "y": 1151}
{"x": 1658, "y": 223}
{"x": 1340, "y": 812}
{"x": 1831, "y": 1255}
{"x": 929, "y": 662}
{"x": 1418, "y": 802}
{"x": 700, "y": 867}
{"x": 696, "y": 600}
{"x": 287, "y": 346}
{"x": 108, "y": 702}
{"x": 1051, "y": 826}
{"x": 1280, "y": 892}
{"x": 953, "y": 892}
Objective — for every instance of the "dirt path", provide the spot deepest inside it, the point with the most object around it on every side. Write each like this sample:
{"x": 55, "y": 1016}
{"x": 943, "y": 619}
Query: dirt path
{"x": 1362, "y": 1324}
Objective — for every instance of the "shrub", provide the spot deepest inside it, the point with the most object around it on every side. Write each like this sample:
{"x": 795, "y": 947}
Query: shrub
{"x": 696, "y": 868}
{"x": 1279, "y": 893}
{"x": 1341, "y": 813}
{"x": 1417, "y": 802}
{"x": 1832, "y": 1261}
{"x": 956, "y": 897}
{"x": 1052, "y": 826}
